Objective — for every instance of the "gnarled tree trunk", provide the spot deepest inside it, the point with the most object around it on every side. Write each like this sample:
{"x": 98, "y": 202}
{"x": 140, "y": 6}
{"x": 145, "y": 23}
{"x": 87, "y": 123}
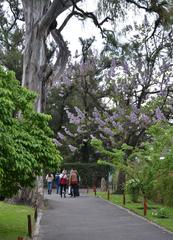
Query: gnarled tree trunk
{"x": 40, "y": 20}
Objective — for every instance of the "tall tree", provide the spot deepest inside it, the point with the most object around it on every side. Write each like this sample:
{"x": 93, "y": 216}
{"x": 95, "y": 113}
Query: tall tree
{"x": 75, "y": 99}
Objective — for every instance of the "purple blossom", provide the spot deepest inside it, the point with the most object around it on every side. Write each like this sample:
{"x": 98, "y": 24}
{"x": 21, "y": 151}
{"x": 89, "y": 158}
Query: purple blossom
{"x": 72, "y": 148}
{"x": 135, "y": 109}
{"x": 126, "y": 68}
{"x": 114, "y": 124}
{"x": 96, "y": 113}
{"x": 57, "y": 142}
{"x": 159, "y": 115}
{"x": 72, "y": 118}
{"x": 61, "y": 136}
{"x": 113, "y": 63}
{"x": 133, "y": 117}
{"x": 145, "y": 118}
{"x": 100, "y": 122}
{"x": 102, "y": 136}
{"x": 162, "y": 93}
{"x": 120, "y": 128}
{"x": 79, "y": 130}
{"x": 108, "y": 131}
{"x": 68, "y": 132}
{"x": 114, "y": 116}
{"x": 81, "y": 115}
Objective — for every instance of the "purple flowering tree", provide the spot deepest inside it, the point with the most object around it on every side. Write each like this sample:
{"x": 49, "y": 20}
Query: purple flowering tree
{"x": 73, "y": 103}
{"x": 121, "y": 95}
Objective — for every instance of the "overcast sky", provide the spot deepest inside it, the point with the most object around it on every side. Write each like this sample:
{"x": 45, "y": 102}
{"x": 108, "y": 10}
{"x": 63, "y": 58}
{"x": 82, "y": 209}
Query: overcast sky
{"x": 75, "y": 28}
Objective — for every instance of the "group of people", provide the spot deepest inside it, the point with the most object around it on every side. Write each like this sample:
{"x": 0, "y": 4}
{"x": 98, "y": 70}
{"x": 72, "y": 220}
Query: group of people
{"x": 64, "y": 182}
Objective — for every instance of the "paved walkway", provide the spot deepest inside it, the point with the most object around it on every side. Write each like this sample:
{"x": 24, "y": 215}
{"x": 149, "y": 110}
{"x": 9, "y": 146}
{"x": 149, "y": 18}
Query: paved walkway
{"x": 91, "y": 218}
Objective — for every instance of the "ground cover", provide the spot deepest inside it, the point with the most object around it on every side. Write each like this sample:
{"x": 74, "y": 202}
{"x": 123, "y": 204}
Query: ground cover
{"x": 13, "y": 220}
{"x": 138, "y": 208}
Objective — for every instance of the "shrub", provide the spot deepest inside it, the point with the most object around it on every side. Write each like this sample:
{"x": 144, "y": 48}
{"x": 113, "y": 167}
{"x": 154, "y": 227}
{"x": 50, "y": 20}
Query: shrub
{"x": 160, "y": 213}
{"x": 133, "y": 188}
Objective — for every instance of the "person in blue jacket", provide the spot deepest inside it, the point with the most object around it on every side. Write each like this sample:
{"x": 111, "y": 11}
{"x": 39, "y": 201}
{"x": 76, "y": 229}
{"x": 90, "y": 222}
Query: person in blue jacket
{"x": 57, "y": 181}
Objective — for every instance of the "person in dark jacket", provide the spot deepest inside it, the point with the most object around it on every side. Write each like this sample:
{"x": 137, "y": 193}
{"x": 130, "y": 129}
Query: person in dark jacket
{"x": 57, "y": 181}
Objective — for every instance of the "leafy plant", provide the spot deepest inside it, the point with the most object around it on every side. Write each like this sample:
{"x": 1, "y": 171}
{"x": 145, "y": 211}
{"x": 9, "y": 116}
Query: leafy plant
{"x": 26, "y": 145}
{"x": 133, "y": 188}
{"x": 160, "y": 213}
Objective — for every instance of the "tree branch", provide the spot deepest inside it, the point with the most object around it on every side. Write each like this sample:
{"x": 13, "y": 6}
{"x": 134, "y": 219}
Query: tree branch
{"x": 63, "y": 55}
{"x": 90, "y": 15}
{"x": 55, "y": 9}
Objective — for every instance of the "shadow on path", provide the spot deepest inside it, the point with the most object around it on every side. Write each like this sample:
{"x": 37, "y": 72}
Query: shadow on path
{"x": 91, "y": 218}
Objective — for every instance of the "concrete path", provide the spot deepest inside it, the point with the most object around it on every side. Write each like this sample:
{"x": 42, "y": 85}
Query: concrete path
{"x": 91, "y": 218}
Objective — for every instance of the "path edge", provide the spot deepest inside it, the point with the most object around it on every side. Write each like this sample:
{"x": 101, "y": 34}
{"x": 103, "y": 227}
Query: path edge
{"x": 139, "y": 216}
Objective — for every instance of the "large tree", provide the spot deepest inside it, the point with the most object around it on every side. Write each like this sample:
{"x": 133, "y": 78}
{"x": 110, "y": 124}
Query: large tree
{"x": 80, "y": 91}
{"x": 40, "y": 20}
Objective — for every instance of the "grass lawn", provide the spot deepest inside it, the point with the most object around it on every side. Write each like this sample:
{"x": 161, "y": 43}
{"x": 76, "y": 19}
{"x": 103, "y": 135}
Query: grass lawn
{"x": 13, "y": 220}
{"x": 138, "y": 208}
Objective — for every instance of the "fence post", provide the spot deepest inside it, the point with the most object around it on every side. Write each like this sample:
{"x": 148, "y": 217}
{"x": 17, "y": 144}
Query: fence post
{"x": 108, "y": 195}
{"x": 94, "y": 190}
{"x": 29, "y": 226}
{"x": 124, "y": 198}
{"x": 145, "y": 206}
{"x": 35, "y": 213}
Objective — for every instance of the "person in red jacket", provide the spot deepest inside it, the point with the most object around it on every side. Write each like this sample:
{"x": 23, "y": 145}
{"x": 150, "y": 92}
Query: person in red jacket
{"x": 63, "y": 182}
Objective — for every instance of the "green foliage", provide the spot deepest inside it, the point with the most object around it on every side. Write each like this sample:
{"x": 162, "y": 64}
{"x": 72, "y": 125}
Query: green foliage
{"x": 152, "y": 164}
{"x": 90, "y": 173}
{"x": 163, "y": 190}
{"x": 160, "y": 213}
{"x": 133, "y": 188}
{"x": 26, "y": 146}
{"x": 115, "y": 156}
{"x": 149, "y": 166}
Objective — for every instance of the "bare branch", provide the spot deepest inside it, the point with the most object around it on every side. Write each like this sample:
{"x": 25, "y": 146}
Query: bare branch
{"x": 55, "y": 9}
{"x": 66, "y": 20}
{"x": 90, "y": 15}
{"x": 147, "y": 9}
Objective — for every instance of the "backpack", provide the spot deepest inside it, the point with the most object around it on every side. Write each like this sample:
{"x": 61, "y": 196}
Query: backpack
{"x": 74, "y": 178}
{"x": 63, "y": 180}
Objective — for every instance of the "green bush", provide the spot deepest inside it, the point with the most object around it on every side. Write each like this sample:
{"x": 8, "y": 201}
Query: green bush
{"x": 133, "y": 188}
{"x": 160, "y": 213}
{"x": 163, "y": 190}
{"x": 26, "y": 145}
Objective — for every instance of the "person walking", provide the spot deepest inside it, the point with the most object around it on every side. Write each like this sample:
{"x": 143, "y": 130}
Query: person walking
{"x": 74, "y": 182}
{"x": 49, "y": 179}
{"x": 63, "y": 183}
{"x": 57, "y": 181}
